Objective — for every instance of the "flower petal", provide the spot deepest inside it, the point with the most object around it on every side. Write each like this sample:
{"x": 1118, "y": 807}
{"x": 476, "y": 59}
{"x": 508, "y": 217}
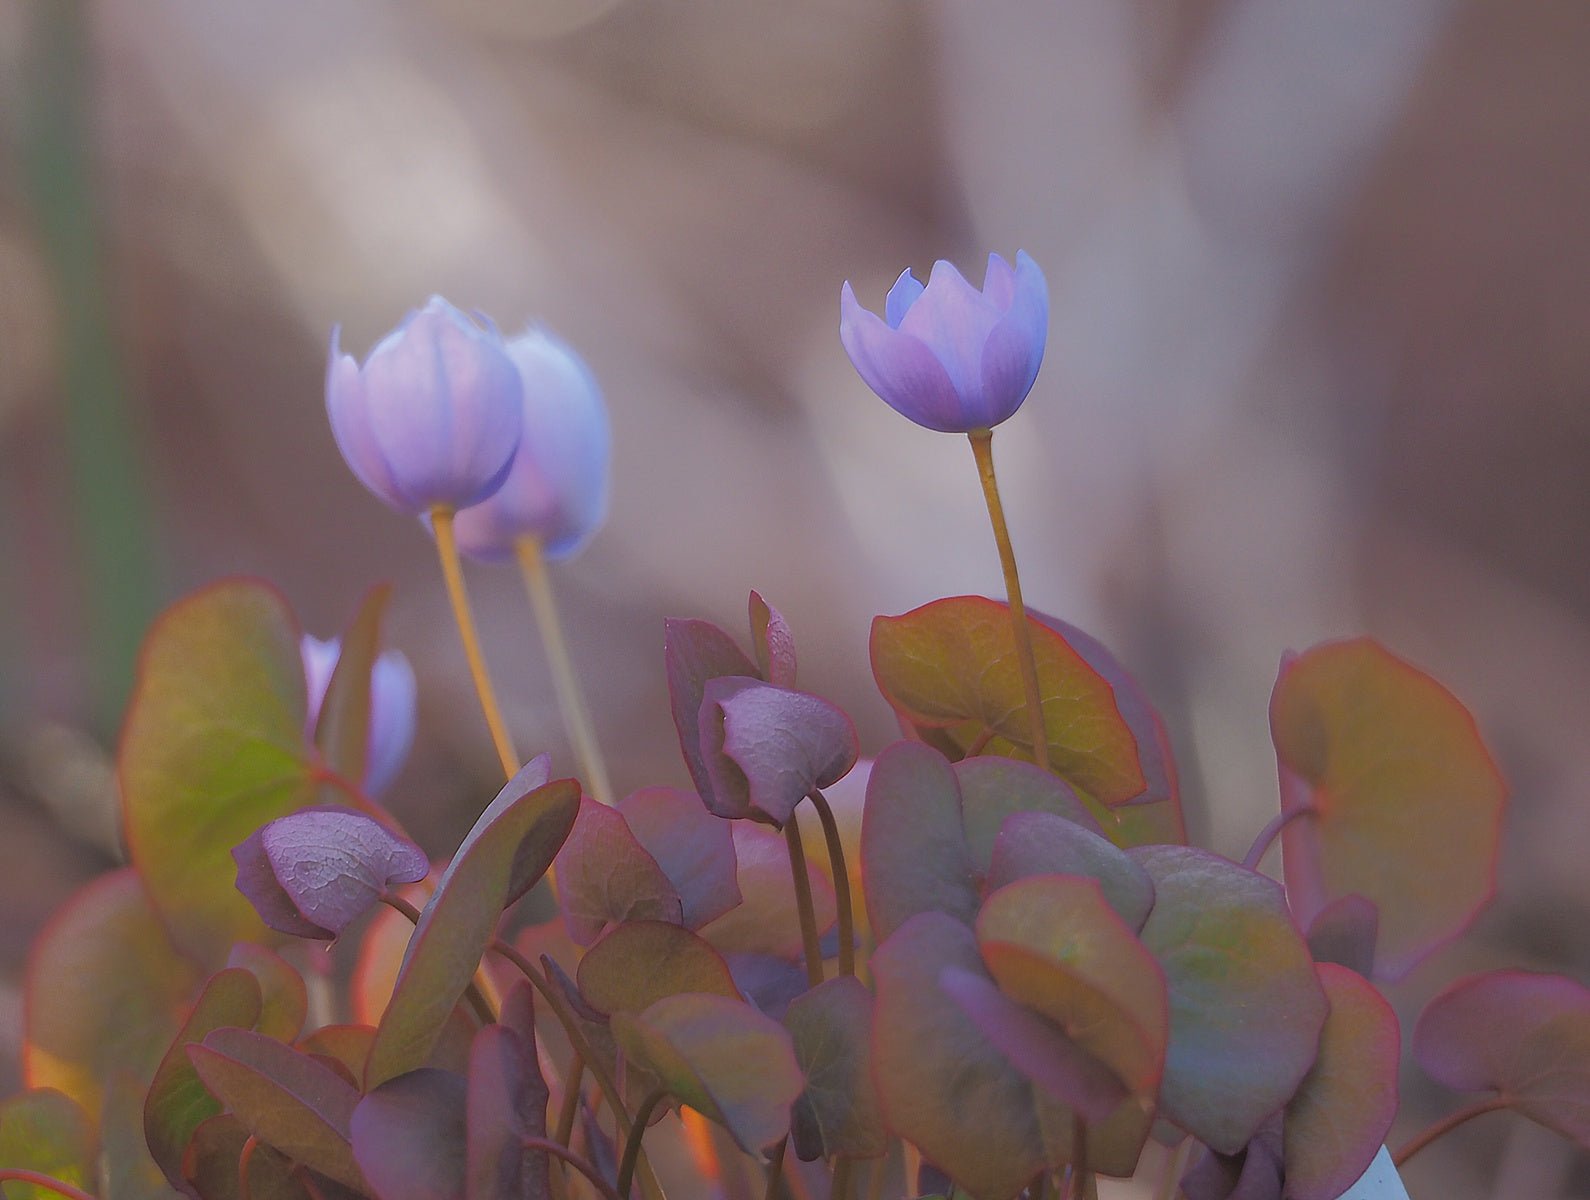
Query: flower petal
{"x": 901, "y": 297}
{"x": 350, "y": 426}
{"x": 953, "y": 320}
{"x": 899, "y": 368}
{"x": 1014, "y": 349}
{"x": 393, "y": 699}
{"x": 999, "y": 283}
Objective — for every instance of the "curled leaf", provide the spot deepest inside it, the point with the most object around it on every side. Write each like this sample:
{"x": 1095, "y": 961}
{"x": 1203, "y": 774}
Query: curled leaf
{"x": 694, "y": 849}
{"x": 774, "y": 643}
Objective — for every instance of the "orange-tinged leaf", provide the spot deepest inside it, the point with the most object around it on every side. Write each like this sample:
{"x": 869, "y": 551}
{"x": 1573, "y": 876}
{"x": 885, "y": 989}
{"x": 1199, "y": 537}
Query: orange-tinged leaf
{"x": 44, "y": 1131}
{"x": 1407, "y": 802}
{"x": 641, "y": 962}
{"x": 105, "y": 991}
{"x": 951, "y": 665}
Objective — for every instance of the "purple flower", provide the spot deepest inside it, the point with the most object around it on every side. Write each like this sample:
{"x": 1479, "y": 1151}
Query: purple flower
{"x": 392, "y": 701}
{"x": 557, "y": 488}
{"x": 948, "y": 356}
{"x": 432, "y": 418}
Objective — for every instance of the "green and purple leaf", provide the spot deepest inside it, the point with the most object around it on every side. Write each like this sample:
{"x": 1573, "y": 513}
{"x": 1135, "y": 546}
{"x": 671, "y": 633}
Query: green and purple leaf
{"x": 214, "y": 1166}
{"x": 837, "y": 1112}
{"x": 1522, "y": 1035}
{"x": 606, "y": 877}
{"x": 1245, "y": 1006}
{"x": 213, "y": 747}
{"x": 285, "y": 1099}
{"x": 342, "y": 728}
{"x": 1039, "y": 843}
{"x": 773, "y": 642}
{"x": 639, "y": 963}
{"x": 314, "y": 872}
{"x": 1405, "y": 801}
{"x": 105, "y": 991}
{"x": 1337, "y": 1121}
{"x": 694, "y": 849}
{"x": 950, "y": 669}
{"x": 409, "y": 1136}
{"x": 766, "y": 920}
{"x": 510, "y": 847}
{"x": 506, "y": 1103}
{"x": 721, "y": 1057}
{"x": 1344, "y": 932}
{"x": 45, "y": 1131}
{"x": 284, "y": 996}
{"x": 178, "y": 1102}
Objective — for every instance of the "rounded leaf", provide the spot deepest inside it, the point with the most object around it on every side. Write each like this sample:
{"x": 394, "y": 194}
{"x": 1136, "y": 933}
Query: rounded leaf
{"x": 638, "y": 964}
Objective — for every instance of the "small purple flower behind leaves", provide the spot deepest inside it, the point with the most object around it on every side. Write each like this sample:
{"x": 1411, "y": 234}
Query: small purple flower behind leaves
{"x": 314, "y": 872}
{"x": 947, "y": 356}
{"x": 557, "y": 489}
{"x": 432, "y": 417}
{"x": 765, "y": 748}
{"x": 392, "y": 704}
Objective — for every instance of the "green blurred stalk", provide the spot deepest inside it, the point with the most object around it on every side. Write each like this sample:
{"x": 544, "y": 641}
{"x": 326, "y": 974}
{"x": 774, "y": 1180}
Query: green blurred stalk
{"x": 108, "y": 499}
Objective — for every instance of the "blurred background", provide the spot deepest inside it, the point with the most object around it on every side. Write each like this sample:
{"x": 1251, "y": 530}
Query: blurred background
{"x": 1318, "y": 364}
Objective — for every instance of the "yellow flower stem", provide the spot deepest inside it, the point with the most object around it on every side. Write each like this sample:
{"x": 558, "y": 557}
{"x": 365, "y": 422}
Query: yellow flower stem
{"x": 983, "y": 451}
{"x": 571, "y": 702}
{"x": 453, "y": 573}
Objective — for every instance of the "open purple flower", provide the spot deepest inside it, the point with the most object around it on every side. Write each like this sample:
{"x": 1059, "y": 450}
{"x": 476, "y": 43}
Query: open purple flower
{"x": 947, "y": 356}
{"x": 432, "y": 417}
{"x": 557, "y": 488}
{"x": 392, "y": 703}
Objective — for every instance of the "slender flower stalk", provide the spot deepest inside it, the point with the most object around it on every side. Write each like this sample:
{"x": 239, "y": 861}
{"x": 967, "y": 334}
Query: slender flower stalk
{"x": 983, "y": 451}
{"x": 565, "y": 683}
{"x": 453, "y": 573}
{"x": 836, "y": 862}
{"x": 803, "y": 902}
{"x": 1447, "y": 1124}
{"x": 626, "y": 1164}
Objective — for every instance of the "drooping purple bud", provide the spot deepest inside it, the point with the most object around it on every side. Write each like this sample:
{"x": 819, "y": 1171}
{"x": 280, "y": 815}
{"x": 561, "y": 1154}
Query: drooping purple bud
{"x": 392, "y": 705}
{"x": 947, "y": 356}
{"x": 557, "y": 488}
{"x": 432, "y": 417}
{"x": 313, "y": 872}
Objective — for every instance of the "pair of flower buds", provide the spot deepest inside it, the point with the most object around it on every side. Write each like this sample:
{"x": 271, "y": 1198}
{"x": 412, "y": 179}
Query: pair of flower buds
{"x": 512, "y": 434}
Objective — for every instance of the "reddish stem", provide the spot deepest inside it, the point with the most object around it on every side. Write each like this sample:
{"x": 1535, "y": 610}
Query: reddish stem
{"x": 1447, "y": 1124}
{"x": 38, "y": 1179}
{"x": 1270, "y": 832}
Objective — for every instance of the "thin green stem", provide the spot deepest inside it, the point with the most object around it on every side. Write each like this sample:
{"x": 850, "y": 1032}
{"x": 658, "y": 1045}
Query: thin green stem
{"x": 775, "y": 1169}
{"x": 570, "y": 1107}
{"x": 840, "y": 1188}
{"x": 626, "y": 1164}
{"x": 47, "y": 1182}
{"x": 983, "y": 451}
{"x": 836, "y": 863}
{"x": 1447, "y": 1124}
{"x": 803, "y": 902}
{"x": 565, "y": 683}
{"x": 1083, "y": 1184}
{"x": 473, "y": 993}
{"x": 453, "y": 575}
{"x": 582, "y": 1165}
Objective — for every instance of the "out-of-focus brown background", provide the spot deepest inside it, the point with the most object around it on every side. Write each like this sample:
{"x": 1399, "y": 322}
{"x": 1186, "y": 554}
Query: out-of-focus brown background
{"x": 1319, "y": 363}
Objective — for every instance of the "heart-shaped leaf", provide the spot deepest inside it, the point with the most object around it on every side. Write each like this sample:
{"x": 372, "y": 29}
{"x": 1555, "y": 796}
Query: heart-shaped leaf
{"x": 1522, "y": 1035}
{"x": 765, "y": 748}
{"x": 508, "y": 850}
{"x": 285, "y": 1099}
{"x": 1338, "y": 1120}
{"x": 933, "y": 1065}
{"x": 694, "y": 849}
{"x": 213, "y": 747}
{"x": 721, "y": 1057}
{"x": 314, "y": 872}
{"x": 1038, "y": 843}
{"x": 177, "y": 1102}
{"x": 952, "y": 666}
{"x": 929, "y": 827}
{"x": 766, "y": 921}
{"x": 45, "y": 1131}
{"x": 837, "y": 1113}
{"x": 409, "y": 1136}
{"x": 605, "y": 877}
{"x": 638, "y": 964}
{"x": 695, "y": 652}
{"x": 1406, "y": 802}
{"x": 773, "y": 641}
{"x": 1245, "y": 1007}
{"x": 507, "y": 1102}
{"x": 1053, "y": 944}
{"x": 105, "y": 991}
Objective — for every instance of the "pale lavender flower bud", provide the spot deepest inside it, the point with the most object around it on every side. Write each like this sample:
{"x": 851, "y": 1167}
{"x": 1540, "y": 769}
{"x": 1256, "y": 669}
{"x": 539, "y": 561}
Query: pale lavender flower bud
{"x": 432, "y": 417}
{"x": 946, "y": 355}
{"x": 393, "y": 695}
{"x": 557, "y": 488}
